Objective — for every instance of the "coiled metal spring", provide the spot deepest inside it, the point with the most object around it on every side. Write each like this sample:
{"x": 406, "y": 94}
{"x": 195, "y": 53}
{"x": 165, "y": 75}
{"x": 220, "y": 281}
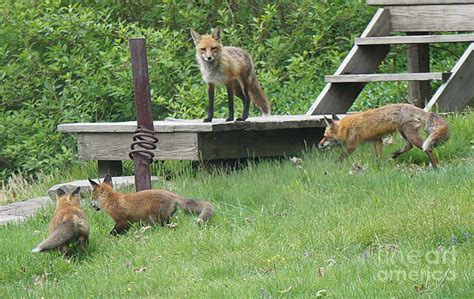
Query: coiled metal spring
{"x": 146, "y": 141}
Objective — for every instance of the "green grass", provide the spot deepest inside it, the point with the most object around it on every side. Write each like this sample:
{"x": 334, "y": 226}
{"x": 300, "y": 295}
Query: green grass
{"x": 395, "y": 229}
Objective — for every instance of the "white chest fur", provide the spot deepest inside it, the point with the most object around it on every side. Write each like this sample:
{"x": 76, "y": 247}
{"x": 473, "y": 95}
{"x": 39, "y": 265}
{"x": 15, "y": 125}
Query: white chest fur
{"x": 211, "y": 72}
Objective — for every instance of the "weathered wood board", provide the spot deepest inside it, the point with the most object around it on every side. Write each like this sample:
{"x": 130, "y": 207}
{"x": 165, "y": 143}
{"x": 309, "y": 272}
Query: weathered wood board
{"x": 417, "y": 2}
{"x": 458, "y": 91}
{"x": 430, "y": 18}
{"x": 249, "y": 144}
{"x": 388, "y": 77}
{"x": 116, "y": 146}
{"x": 415, "y": 39}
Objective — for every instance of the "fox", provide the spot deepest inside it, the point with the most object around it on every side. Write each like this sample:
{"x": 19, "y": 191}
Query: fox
{"x": 232, "y": 67}
{"x": 69, "y": 224}
{"x": 373, "y": 124}
{"x": 149, "y": 206}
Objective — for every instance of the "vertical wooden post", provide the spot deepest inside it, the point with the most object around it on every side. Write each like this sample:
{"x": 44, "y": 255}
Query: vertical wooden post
{"x": 418, "y": 61}
{"x": 143, "y": 106}
{"x": 114, "y": 168}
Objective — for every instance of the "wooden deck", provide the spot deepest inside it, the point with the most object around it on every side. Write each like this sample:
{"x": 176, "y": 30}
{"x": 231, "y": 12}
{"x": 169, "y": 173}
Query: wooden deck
{"x": 195, "y": 140}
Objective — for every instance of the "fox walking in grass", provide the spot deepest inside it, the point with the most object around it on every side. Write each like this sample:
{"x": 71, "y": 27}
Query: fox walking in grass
{"x": 68, "y": 224}
{"x": 150, "y": 206}
{"x": 231, "y": 67}
{"x": 373, "y": 124}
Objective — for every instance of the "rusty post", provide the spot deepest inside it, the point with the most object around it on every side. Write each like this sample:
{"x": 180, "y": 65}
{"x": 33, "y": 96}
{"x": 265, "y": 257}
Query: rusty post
{"x": 143, "y": 106}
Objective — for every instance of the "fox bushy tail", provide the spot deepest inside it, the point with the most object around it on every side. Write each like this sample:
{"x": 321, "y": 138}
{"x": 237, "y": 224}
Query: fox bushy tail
{"x": 202, "y": 208}
{"x": 259, "y": 98}
{"x": 438, "y": 131}
{"x": 65, "y": 232}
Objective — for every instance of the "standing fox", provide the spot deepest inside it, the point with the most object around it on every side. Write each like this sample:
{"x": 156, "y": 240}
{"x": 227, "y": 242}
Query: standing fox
{"x": 151, "y": 206}
{"x": 232, "y": 67}
{"x": 373, "y": 124}
{"x": 69, "y": 224}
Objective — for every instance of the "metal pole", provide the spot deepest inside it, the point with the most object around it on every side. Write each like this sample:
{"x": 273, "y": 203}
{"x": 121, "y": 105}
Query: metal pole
{"x": 143, "y": 106}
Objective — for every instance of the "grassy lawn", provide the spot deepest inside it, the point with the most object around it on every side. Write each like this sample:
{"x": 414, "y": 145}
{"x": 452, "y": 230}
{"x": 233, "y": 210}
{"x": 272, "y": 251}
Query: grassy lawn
{"x": 282, "y": 229}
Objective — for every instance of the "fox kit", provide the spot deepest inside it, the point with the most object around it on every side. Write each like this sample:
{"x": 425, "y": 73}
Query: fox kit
{"x": 69, "y": 224}
{"x": 231, "y": 67}
{"x": 151, "y": 206}
{"x": 373, "y": 124}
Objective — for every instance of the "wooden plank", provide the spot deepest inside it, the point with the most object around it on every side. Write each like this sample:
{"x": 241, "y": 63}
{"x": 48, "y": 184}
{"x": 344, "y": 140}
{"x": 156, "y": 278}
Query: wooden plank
{"x": 181, "y": 125}
{"x": 458, "y": 91}
{"x": 417, "y": 2}
{"x": 387, "y": 77}
{"x": 429, "y": 18}
{"x": 269, "y": 143}
{"x": 106, "y": 146}
{"x": 131, "y": 126}
{"x": 418, "y": 61}
{"x": 337, "y": 98}
{"x": 415, "y": 39}
{"x": 114, "y": 168}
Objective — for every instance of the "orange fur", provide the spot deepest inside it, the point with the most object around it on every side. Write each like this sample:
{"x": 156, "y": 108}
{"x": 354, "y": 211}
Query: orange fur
{"x": 232, "y": 67}
{"x": 373, "y": 124}
{"x": 68, "y": 224}
{"x": 150, "y": 206}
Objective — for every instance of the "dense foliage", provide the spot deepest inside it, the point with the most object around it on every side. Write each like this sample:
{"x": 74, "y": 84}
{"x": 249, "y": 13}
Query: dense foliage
{"x": 64, "y": 61}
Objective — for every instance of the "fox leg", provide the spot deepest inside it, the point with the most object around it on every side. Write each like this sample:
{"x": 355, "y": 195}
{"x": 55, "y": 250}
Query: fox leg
{"x": 244, "y": 96}
{"x": 211, "y": 88}
{"x": 230, "y": 101}
{"x": 408, "y": 146}
{"x": 413, "y": 136}
{"x": 82, "y": 241}
{"x": 64, "y": 248}
{"x": 378, "y": 143}
{"x": 120, "y": 228}
{"x": 351, "y": 145}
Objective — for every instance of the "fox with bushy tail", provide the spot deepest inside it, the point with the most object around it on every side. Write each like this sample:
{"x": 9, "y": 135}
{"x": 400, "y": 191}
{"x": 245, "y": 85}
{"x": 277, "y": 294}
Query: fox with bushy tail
{"x": 150, "y": 206}
{"x": 232, "y": 67}
{"x": 68, "y": 224}
{"x": 373, "y": 124}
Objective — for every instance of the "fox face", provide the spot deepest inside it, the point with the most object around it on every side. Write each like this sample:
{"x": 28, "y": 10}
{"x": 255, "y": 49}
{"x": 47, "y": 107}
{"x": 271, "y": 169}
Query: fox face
{"x": 330, "y": 133}
{"x": 72, "y": 199}
{"x": 208, "y": 47}
{"x": 98, "y": 190}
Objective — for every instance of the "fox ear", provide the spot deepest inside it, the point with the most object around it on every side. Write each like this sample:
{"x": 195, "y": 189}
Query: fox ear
{"x": 196, "y": 37}
{"x": 76, "y": 191}
{"x": 108, "y": 179}
{"x": 334, "y": 117}
{"x": 93, "y": 184}
{"x": 329, "y": 122}
{"x": 60, "y": 192}
{"x": 217, "y": 33}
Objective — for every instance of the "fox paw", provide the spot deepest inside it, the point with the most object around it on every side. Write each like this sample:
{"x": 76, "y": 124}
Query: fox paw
{"x": 229, "y": 119}
{"x": 241, "y": 119}
{"x": 172, "y": 225}
{"x": 207, "y": 120}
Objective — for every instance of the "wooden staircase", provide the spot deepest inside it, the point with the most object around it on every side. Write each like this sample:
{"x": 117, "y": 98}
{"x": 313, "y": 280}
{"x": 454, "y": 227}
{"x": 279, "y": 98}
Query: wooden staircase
{"x": 417, "y": 18}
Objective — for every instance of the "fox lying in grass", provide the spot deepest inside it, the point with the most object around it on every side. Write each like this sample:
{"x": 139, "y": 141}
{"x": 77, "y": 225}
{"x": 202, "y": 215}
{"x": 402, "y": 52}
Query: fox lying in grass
{"x": 151, "y": 206}
{"x": 68, "y": 224}
{"x": 373, "y": 124}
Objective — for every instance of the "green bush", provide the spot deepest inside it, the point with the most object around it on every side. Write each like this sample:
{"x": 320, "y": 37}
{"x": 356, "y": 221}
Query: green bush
{"x": 64, "y": 61}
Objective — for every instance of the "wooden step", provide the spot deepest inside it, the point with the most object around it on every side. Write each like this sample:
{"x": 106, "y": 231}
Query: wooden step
{"x": 414, "y": 39}
{"x": 387, "y": 77}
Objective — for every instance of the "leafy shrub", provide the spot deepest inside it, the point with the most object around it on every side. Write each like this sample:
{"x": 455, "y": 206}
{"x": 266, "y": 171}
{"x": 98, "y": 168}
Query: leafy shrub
{"x": 65, "y": 61}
